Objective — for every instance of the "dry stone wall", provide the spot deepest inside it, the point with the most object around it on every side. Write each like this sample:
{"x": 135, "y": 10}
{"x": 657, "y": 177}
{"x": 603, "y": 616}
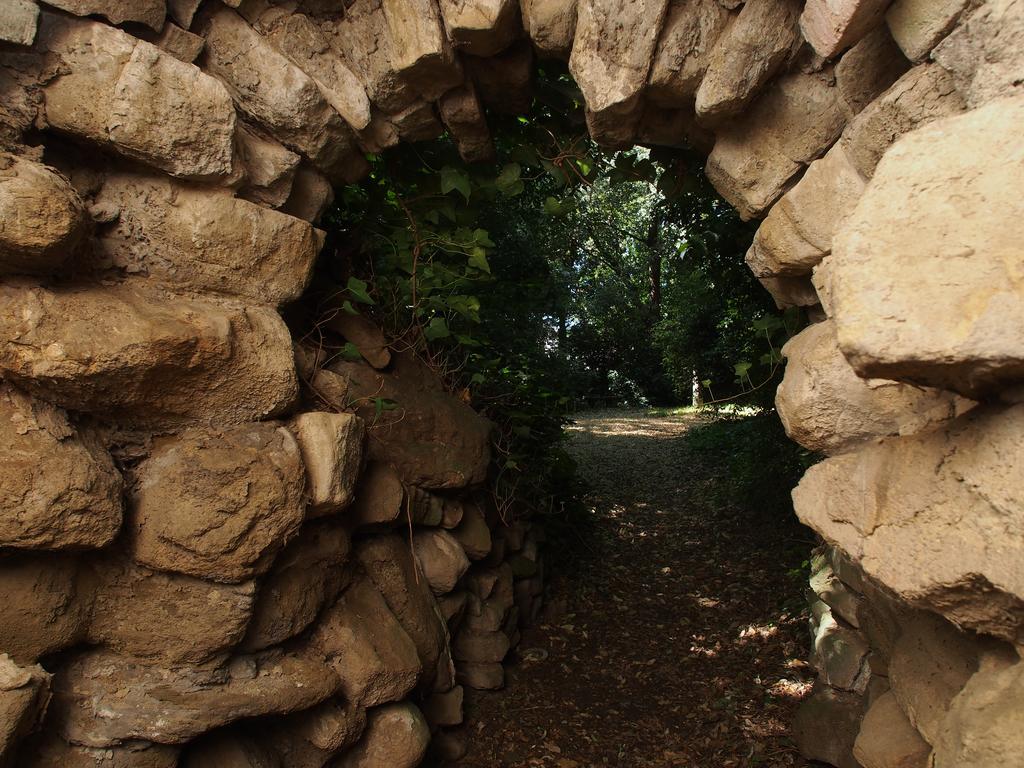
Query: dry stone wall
{"x": 213, "y": 552}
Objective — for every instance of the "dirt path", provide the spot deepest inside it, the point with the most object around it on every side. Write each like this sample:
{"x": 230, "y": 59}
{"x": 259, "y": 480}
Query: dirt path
{"x": 674, "y": 635}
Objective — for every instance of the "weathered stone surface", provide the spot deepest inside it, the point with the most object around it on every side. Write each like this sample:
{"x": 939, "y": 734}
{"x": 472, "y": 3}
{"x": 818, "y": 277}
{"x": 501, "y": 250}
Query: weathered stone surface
{"x": 58, "y": 490}
{"x": 310, "y": 196}
{"x": 166, "y": 618}
{"x": 367, "y": 336}
{"x": 309, "y": 739}
{"x": 887, "y": 739}
{"x": 228, "y": 749}
{"x": 790, "y": 291}
{"x": 19, "y": 22}
{"x": 101, "y": 699}
{"x": 24, "y": 694}
{"x": 924, "y": 273}
{"x": 141, "y": 102}
{"x": 480, "y": 647}
{"x": 270, "y": 168}
{"x": 923, "y": 94}
{"x": 840, "y": 654}
{"x": 986, "y": 721}
{"x": 207, "y": 240}
{"x": 826, "y": 407}
{"x": 830, "y": 589}
{"x": 183, "y": 11}
{"x": 868, "y": 69}
{"x": 432, "y": 439}
{"x": 749, "y": 54}
{"x": 392, "y": 569}
{"x": 51, "y": 751}
{"x": 684, "y": 50}
{"x": 444, "y": 709}
{"x": 463, "y": 115}
{"x": 481, "y": 27}
{"x": 307, "y": 576}
{"x": 278, "y": 95}
{"x": 379, "y": 497}
{"x": 148, "y": 12}
{"x": 831, "y": 26}
{"x": 917, "y": 25}
{"x": 161, "y": 359}
{"x": 367, "y": 647}
{"x": 797, "y": 233}
{"x": 441, "y": 559}
{"x": 181, "y": 44}
{"x": 332, "y": 451}
{"x": 43, "y": 221}
{"x": 504, "y": 82}
{"x": 612, "y": 70}
{"x": 473, "y": 533}
{"x": 489, "y": 676}
{"x": 420, "y": 51}
{"x": 396, "y": 736}
{"x": 793, "y": 123}
{"x": 826, "y": 725}
{"x": 43, "y": 608}
{"x": 551, "y": 25}
{"x": 930, "y": 516}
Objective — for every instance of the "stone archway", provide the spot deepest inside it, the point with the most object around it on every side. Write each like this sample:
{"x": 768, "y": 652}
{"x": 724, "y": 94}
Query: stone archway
{"x": 164, "y": 166}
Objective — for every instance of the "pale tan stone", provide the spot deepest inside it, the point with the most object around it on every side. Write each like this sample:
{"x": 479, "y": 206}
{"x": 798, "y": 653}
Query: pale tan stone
{"x": 311, "y": 194}
{"x": 19, "y": 22}
{"x": 379, "y": 497}
{"x": 924, "y": 273}
{"x": 181, "y": 44}
{"x": 887, "y": 739}
{"x": 24, "y": 693}
{"x": 551, "y": 25}
{"x": 826, "y": 725}
{"x": 148, "y": 12}
{"x": 917, "y": 25}
{"x": 332, "y": 451}
{"x": 420, "y": 51}
{"x": 868, "y": 69}
{"x": 270, "y": 167}
{"x": 690, "y": 31}
{"x": 831, "y": 26}
{"x": 396, "y": 736}
{"x": 481, "y": 27}
{"x": 441, "y": 558}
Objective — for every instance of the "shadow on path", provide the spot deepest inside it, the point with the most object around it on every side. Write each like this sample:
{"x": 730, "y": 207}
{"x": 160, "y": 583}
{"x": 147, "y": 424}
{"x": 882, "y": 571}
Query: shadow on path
{"x": 675, "y": 631}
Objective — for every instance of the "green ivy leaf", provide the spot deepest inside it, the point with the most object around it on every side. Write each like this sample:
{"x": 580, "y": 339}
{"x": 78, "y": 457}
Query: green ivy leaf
{"x": 381, "y": 404}
{"x": 482, "y": 237}
{"x": 358, "y": 290}
{"x": 437, "y": 328}
{"x": 742, "y": 368}
{"x": 478, "y": 259}
{"x": 348, "y": 308}
{"x": 452, "y": 178}
{"x": 351, "y": 352}
{"x": 509, "y": 176}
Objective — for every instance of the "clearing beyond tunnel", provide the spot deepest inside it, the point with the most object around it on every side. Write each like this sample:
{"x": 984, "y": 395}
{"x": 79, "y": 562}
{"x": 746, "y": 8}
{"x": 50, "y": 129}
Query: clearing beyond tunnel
{"x": 220, "y": 546}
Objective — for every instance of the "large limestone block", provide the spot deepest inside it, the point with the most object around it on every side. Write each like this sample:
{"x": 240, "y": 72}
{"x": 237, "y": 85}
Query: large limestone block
{"x": 826, "y": 725}
{"x": 925, "y": 93}
{"x": 432, "y": 439}
{"x": 551, "y": 25}
{"x": 24, "y": 694}
{"x": 463, "y": 115}
{"x": 481, "y": 27}
{"x": 441, "y": 558}
{"x": 934, "y": 516}
{"x": 332, "y": 451}
{"x": 270, "y": 168}
{"x": 161, "y": 359}
{"x": 985, "y": 725}
{"x": 843, "y": 602}
{"x": 887, "y": 739}
{"x": 102, "y": 699}
{"x": 983, "y": 52}
{"x": 51, "y": 751}
{"x": 43, "y": 221}
{"x": 868, "y": 69}
{"x": 840, "y": 654}
{"x": 58, "y": 490}
{"x": 364, "y": 643}
{"x": 278, "y": 95}
{"x": 19, "y": 22}
{"x": 130, "y": 96}
{"x": 218, "y": 504}
{"x": 396, "y": 736}
{"x": 43, "y": 607}
{"x": 917, "y": 25}
{"x": 181, "y": 44}
{"x": 486, "y": 676}
{"x": 925, "y": 272}
{"x": 831, "y": 26}
{"x": 312, "y": 737}
{"x": 826, "y": 407}
{"x": 473, "y": 533}
{"x": 444, "y": 709}
{"x": 504, "y": 82}
{"x": 479, "y": 647}
{"x": 310, "y": 196}
{"x": 148, "y": 12}
{"x": 379, "y": 497}
{"x": 307, "y": 576}
{"x": 792, "y": 124}
{"x": 798, "y": 230}
{"x": 684, "y": 50}
{"x": 751, "y": 52}
{"x": 420, "y": 51}
{"x": 207, "y": 240}
{"x": 612, "y": 69}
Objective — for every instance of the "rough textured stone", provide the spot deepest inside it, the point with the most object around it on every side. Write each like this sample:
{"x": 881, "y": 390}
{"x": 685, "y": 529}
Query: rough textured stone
{"x": 43, "y": 221}
{"x": 826, "y": 726}
{"x": 207, "y": 240}
{"x": 831, "y": 590}
{"x": 166, "y": 618}
{"x": 379, "y": 497}
{"x": 463, "y": 115}
{"x": 43, "y": 606}
{"x": 162, "y": 359}
{"x": 441, "y": 559}
{"x": 367, "y": 647}
{"x": 887, "y": 739}
{"x": 19, "y": 22}
{"x": 58, "y": 489}
{"x": 396, "y": 736}
{"x": 307, "y": 576}
{"x": 831, "y": 26}
{"x": 54, "y": 752}
{"x": 309, "y": 739}
{"x": 751, "y": 52}
{"x": 825, "y": 407}
{"x": 420, "y": 51}
{"x": 473, "y": 533}
{"x": 181, "y": 44}
{"x": 480, "y": 647}
{"x": 148, "y": 12}
{"x": 141, "y": 102}
{"x": 310, "y": 196}
{"x": 367, "y": 336}
{"x": 930, "y": 516}
{"x": 684, "y": 50}
{"x": 612, "y": 70}
{"x": 793, "y": 123}
{"x": 917, "y": 25}
{"x": 840, "y": 654}
{"x": 218, "y": 504}
{"x": 102, "y": 699}
{"x": 868, "y": 69}
{"x": 270, "y": 168}
{"x": 24, "y": 693}
{"x": 332, "y": 451}
{"x": 923, "y": 274}
{"x": 488, "y": 676}
{"x": 551, "y": 25}
{"x": 481, "y": 27}
{"x": 432, "y": 440}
